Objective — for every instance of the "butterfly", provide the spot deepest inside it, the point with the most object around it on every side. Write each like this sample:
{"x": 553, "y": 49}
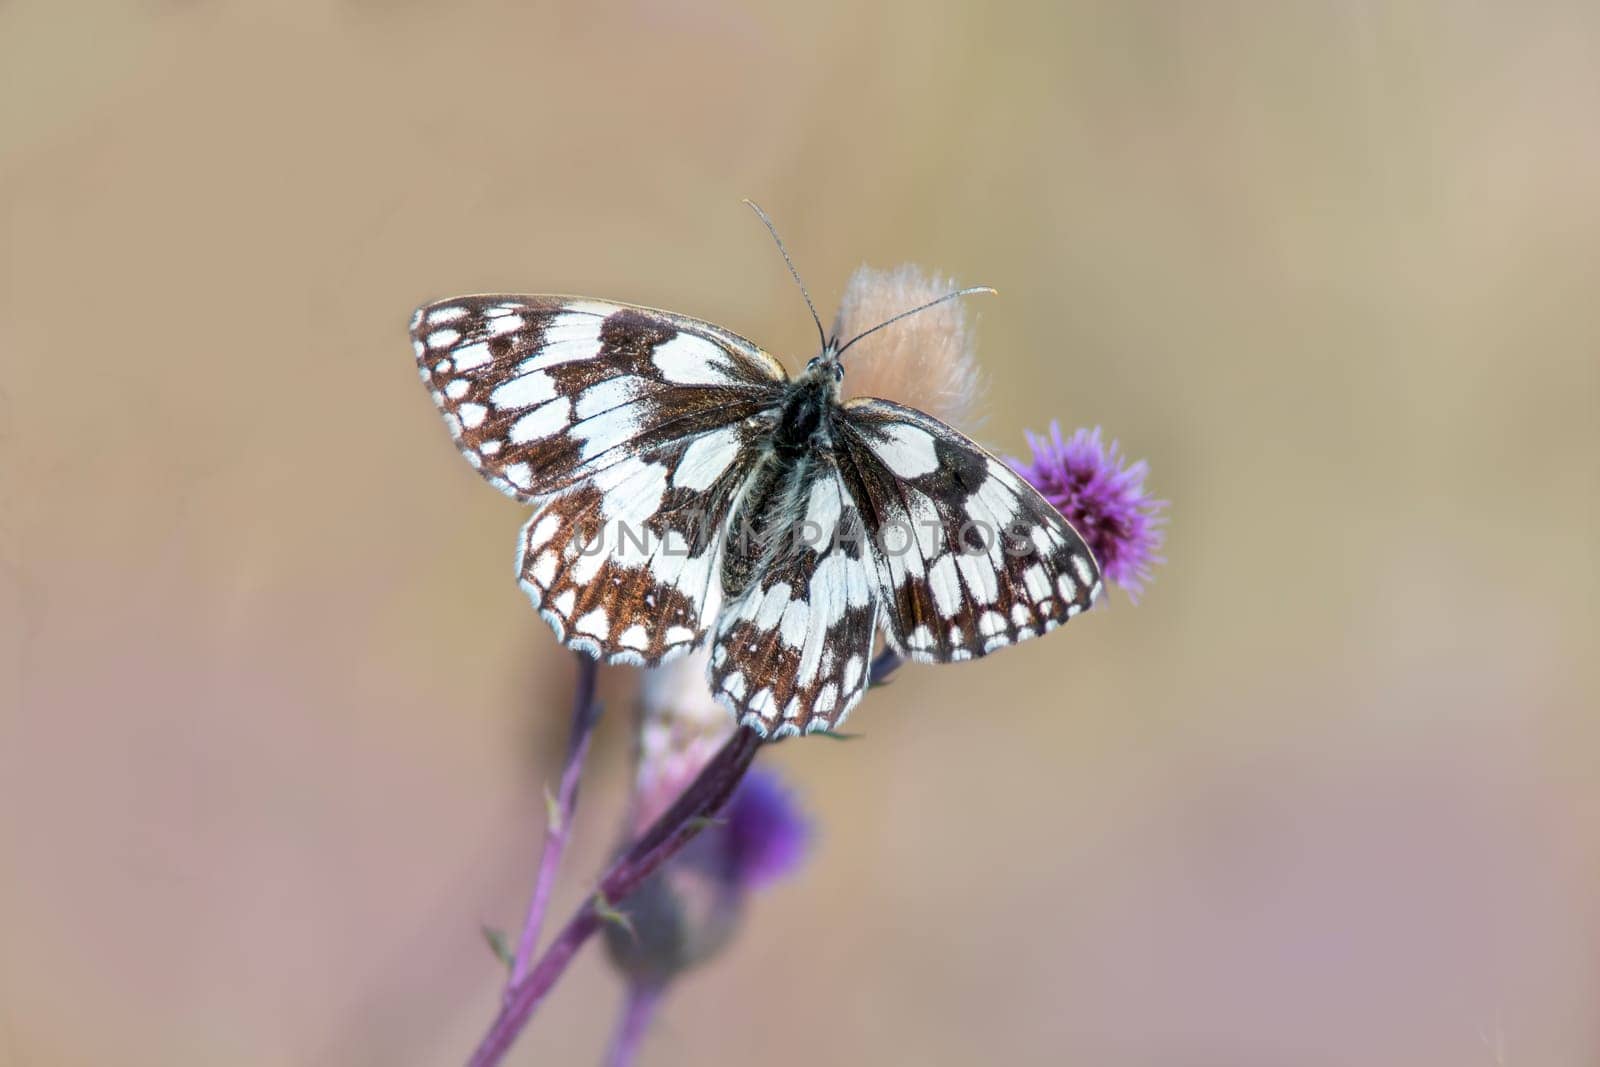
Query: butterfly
{"x": 686, "y": 486}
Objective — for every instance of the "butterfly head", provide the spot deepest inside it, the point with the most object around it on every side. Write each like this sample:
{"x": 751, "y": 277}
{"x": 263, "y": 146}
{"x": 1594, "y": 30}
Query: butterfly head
{"x": 825, "y": 368}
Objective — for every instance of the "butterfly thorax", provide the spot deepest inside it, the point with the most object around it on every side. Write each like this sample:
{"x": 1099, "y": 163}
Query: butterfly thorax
{"x": 801, "y": 441}
{"x": 805, "y": 422}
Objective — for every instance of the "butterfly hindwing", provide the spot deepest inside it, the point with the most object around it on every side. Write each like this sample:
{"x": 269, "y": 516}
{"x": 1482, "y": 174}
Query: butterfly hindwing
{"x": 624, "y": 565}
{"x": 542, "y": 392}
{"x": 969, "y": 557}
{"x": 793, "y": 649}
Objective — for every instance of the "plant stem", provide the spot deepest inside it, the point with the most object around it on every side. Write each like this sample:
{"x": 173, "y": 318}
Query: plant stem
{"x": 558, "y": 828}
{"x": 638, "y": 1009}
{"x": 703, "y": 799}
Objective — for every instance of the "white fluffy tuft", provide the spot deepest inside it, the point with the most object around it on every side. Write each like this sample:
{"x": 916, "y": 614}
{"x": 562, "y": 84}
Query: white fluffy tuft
{"x": 926, "y": 361}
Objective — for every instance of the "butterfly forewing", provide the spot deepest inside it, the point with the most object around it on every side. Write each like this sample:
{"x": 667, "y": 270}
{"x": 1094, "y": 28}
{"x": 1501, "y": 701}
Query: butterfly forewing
{"x": 968, "y": 557}
{"x": 541, "y": 392}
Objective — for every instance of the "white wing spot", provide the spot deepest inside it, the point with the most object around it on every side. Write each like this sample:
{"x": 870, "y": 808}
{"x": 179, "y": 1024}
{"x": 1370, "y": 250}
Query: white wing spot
{"x": 946, "y": 585}
{"x": 472, "y": 415}
{"x": 563, "y": 604}
{"x": 450, "y": 313}
{"x": 824, "y": 506}
{"x": 792, "y": 629}
{"x": 1085, "y": 572}
{"x": 607, "y": 430}
{"x": 996, "y": 495}
{"x": 544, "y": 529}
{"x": 443, "y": 338}
{"x": 908, "y": 450}
{"x": 689, "y": 360}
{"x": 524, "y": 391}
{"x": 474, "y": 355}
{"x": 983, "y": 582}
{"x": 521, "y": 476}
{"x": 852, "y": 673}
{"x": 1037, "y": 581}
{"x": 772, "y": 605}
{"x": 706, "y": 458}
{"x": 456, "y": 388}
{"x": 542, "y": 421}
{"x": 611, "y": 393}
{"x": 543, "y": 571}
{"x": 595, "y": 622}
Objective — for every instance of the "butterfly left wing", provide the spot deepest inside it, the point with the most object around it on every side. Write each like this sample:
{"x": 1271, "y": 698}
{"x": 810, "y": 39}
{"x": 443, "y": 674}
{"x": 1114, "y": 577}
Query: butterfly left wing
{"x": 544, "y": 392}
{"x": 793, "y": 650}
{"x": 969, "y": 557}
{"x": 627, "y": 425}
{"x": 624, "y": 565}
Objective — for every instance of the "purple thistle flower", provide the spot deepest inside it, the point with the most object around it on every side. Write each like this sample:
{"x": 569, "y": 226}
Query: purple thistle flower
{"x": 765, "y": 833}
{"x": 1103, "y": 497}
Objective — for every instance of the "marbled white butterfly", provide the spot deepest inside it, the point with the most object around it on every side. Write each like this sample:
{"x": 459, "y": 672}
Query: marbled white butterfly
{"x": 684, "y": 483}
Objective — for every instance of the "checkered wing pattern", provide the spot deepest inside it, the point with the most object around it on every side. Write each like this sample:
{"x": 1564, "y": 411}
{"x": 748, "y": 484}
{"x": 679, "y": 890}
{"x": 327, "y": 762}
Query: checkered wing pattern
{"x": 628, "y": 427}
{"x": 968, "y": 557}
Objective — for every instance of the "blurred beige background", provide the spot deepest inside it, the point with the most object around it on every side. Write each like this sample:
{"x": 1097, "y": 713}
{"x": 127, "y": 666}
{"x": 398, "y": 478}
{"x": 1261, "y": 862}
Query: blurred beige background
{"x": 274, "y": 717}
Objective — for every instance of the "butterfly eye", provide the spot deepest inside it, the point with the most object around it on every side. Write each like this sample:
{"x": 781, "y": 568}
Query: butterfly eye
{"x": 838, "y": 372}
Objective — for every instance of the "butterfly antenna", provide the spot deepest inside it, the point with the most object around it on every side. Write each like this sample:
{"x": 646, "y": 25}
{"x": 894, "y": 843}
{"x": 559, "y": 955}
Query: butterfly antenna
{"x": 762, "y": 215}
{"x": 921, "y": 307}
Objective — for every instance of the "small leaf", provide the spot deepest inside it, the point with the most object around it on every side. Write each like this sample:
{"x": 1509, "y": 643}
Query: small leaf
{"x": 608, "y": 913}
{"x": 499, "y": 945}
{"x": 552, "y": 811}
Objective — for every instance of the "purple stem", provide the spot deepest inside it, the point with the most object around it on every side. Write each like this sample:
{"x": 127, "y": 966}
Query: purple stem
{"x": 702, "y": 800}
{"x": 585, "y": 713}
{"x": 637, "y": 1012}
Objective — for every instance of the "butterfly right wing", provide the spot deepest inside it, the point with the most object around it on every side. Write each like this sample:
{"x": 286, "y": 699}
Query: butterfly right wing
{"x": 628, "y": 427}
{"x": 970, "y": 558}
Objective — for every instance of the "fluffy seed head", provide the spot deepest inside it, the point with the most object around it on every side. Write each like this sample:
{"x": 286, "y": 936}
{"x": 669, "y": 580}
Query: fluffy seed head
{"x": 925, "y": 361}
